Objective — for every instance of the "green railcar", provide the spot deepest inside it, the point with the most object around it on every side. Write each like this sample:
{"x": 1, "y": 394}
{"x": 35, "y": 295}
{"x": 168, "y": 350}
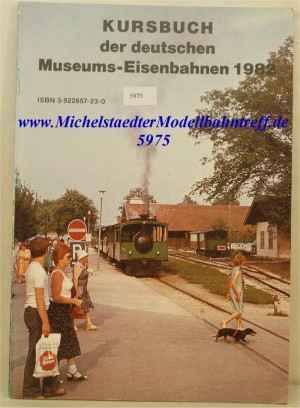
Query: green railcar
{"x": 139, "y": 246}
{"x": 212, "y": 243}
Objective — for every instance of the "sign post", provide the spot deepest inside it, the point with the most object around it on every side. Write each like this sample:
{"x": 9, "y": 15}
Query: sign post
{"x": 77, "y": 231}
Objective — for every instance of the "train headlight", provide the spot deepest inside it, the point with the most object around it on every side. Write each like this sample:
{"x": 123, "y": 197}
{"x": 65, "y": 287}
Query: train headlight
{"x": 130, "y": 252}
{"x": 157, "y": 252}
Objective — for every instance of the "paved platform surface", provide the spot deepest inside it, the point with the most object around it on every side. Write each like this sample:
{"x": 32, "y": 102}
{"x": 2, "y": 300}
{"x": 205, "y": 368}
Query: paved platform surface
{"x": 147, "y": 348}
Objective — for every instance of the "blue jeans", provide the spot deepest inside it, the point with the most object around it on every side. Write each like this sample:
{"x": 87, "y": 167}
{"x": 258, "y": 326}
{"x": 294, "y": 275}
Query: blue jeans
{"x": 31, "y": 385}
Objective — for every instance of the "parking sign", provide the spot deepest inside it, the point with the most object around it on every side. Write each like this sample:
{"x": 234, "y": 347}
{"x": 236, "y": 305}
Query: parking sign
{"x": 76, "y": 246}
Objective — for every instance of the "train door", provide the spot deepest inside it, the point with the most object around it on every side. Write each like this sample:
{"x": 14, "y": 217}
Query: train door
{"x": 116, "y": 243}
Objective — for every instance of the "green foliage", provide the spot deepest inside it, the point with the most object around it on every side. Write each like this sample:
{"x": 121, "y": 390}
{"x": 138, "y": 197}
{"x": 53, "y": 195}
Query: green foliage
{"x": 225, "y": 201}
{"x": 70, "y": 206}
{"x": 281, "y": 268}
{"x": 245, "y": 160}
{"x": 139, "y": 192}
{"x": 246, "y": 234}
{"x": 45, "y": 216}
{"x": 257, "y": 296}
{"x": 25, "y": 221}
{"x": 34, "y": 216}
{"x": 187, "y": 200}
{"x": 220, "y": 224}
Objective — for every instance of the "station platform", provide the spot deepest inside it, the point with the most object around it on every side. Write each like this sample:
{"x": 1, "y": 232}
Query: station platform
{"x": 148, "y": 348}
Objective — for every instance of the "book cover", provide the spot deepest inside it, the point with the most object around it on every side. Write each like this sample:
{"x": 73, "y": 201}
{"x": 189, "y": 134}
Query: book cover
{"x": 186, "y": 108}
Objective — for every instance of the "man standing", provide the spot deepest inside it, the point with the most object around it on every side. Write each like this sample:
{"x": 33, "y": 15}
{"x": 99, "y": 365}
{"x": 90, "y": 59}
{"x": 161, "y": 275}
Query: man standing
{"x": 36, "y": 320}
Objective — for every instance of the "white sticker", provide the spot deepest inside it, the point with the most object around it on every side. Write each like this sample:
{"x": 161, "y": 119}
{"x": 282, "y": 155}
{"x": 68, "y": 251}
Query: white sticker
{"x": 139, "y": 95}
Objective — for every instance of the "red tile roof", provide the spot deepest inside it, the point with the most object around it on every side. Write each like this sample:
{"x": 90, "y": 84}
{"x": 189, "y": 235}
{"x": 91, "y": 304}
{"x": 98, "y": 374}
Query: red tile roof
{"x": 189, "y": 217}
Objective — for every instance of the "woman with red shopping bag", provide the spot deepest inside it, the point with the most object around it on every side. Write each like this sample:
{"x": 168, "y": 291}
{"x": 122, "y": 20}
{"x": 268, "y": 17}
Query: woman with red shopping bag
{"x": 59, "y": 311}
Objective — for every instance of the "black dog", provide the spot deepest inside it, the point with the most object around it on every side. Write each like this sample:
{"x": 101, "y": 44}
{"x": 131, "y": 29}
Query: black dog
{"x": 238, "y": 335}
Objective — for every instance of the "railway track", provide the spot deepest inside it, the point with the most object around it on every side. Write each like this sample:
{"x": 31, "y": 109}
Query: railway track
{"x": 217, "y": 307}
{"x": 258, "y": 354}
{"x": 264, "y": 355}
{"x": 277, "y": 339}
{"x": 267, "y": 281}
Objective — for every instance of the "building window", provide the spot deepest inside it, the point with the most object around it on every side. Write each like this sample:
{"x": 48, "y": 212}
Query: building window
{"x": 271, "y": 240}
{"x": 262, "y": 239}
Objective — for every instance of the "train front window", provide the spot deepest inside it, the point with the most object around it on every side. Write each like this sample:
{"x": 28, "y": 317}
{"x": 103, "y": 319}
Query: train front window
{"x": 129, "y": 231}
{"x": 157, "y": 232}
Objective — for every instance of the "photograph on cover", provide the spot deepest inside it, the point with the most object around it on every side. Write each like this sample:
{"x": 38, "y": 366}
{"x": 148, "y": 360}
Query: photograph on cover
{"x": 152, "y": 223}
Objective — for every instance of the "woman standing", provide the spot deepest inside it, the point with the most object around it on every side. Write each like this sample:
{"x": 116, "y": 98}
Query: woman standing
{"x": 80, "y": 278}
{"x": 48, "y": 263}
{"x": 23, "y": 261}
{"x": 16, "y": 250}
{"x": 236, "y": 292}
{"x": 59, "y": 311}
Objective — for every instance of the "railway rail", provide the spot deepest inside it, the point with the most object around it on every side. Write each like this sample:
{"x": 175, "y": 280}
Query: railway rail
{"x": 258, "y": 351}
{"x": 217, "y": 307}
{"x": 273, "y": 284}
{"x": 279, "y": 339}
{"x": 258, "y": 354}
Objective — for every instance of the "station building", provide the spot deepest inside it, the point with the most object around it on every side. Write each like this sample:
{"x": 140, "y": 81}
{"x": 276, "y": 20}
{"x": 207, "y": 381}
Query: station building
{"x": 186, "y": 220}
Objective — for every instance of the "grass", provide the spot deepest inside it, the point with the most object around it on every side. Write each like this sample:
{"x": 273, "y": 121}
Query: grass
{"x": 282, "y": 269}
{"x": 213, "y": 280}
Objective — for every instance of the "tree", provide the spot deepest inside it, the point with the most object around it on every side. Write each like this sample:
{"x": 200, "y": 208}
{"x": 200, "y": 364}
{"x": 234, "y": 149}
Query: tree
{"x": 245, "y": 159}
{"x": 139, "y": 192}
{"x": 34, "y": 216}
{"x": 245, "y": 234}
{"x": 224, "y": 201}
{"x": 220, "y": 224}
{"x": 70, "y": 206}
{"x": 187, "y": 200}
{"x": 25, "y": 222}
{"x": 44, "y": 214}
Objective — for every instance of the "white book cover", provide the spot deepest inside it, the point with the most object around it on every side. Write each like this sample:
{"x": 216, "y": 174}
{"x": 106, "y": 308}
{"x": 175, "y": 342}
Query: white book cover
{"x": 189, "y": 104}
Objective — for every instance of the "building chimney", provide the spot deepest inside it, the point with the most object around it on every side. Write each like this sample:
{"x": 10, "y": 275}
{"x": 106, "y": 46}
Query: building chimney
{"x": 136, "y": 200}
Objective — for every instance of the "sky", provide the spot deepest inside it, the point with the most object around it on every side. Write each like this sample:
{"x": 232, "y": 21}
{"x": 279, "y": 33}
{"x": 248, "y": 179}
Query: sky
{"x": 88, "y": 160}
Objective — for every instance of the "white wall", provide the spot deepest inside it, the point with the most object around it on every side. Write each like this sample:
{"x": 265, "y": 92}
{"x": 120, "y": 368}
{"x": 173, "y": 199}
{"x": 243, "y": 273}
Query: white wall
{"x": 262, "y": 227}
